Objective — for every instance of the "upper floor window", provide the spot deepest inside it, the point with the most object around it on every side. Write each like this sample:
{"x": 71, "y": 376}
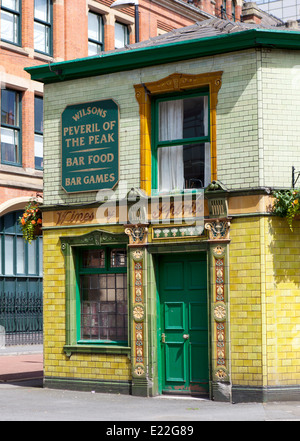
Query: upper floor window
{"x": 43, "y": 26}
{"x": 181, "y": 142}
{"x": 95, "y": 34}
{"x": 10, "y": 127}
{"x": 233, "y": 13}
{"x": 38, "y": 132}
{"x": 121, "y": 35}
{"x": 10, "y": 21}
{"x": 223, "y": 9}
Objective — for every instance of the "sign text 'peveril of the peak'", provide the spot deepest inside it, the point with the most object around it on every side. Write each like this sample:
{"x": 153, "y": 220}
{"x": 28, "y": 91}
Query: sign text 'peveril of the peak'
{"x": 90, "y": 146}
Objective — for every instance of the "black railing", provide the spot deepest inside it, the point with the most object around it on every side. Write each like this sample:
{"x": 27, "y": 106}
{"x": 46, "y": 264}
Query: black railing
{"x": 21, "y": 318}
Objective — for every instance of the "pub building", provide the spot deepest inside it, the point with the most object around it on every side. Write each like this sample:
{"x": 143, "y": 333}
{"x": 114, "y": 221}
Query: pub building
{"x": 165, "y": 269}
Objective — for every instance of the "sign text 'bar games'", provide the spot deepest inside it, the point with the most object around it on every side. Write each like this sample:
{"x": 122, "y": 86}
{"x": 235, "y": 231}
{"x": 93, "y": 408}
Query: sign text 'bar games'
{"x": 90, "y": 146}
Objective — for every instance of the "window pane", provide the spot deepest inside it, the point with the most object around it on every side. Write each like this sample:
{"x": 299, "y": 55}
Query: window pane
{"x": 38, "y": 114}
{"x": 38, "y": 151}
{"x": 41, "y": 38}
{"x": 9, "y": 255}
{"x": 9, "y": 223}
{"x": 194, "y": 165}
{"x": 20, "y": 255}
{"x": 181, "y": 167}
{"x": 42, "y": 10}
{"x": 9, "y": 107}
{"x": 118, "y": 258}
{"x": 121, "y": 32}
{"x": 9, "y": 146}
{"x": 183, "y": 119}
{"x": 93, "y": 259}
{"x": 94, "y": 49}
{"x": 95, "y": 27}
{"x": 32, "y": 258}
{"x": 11, "y": 4}
{"x": 9, "y": 27}
{"x": 103, "y": 307}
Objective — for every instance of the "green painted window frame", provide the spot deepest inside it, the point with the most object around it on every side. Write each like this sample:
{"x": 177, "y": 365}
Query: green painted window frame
{"x": 37, "y": 131}
{"x": 70, "y": 246}
{"x": 47, "y": 25}
{"x": 156, "y": 144}
{"x": 18, "y": 16}
{"x": 99, "y": 43}
{"x": 17, "y": 128}
{"x": 80, "y": 270}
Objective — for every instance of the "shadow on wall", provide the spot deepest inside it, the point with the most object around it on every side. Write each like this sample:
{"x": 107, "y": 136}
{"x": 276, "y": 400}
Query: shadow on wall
{"x": 283, "y": 260}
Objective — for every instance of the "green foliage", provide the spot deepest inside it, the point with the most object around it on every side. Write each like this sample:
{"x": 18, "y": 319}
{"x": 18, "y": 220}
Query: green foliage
{"x": 287, "y": 204}
{"x": 31, "y": 221}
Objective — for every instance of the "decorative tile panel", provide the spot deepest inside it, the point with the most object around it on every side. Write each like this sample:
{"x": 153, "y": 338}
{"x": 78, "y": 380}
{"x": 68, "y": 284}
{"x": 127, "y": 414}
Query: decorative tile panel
{"x": 219, "y": 307}
{"x": 138, "y": 313}
{"x": 178, "y": 232}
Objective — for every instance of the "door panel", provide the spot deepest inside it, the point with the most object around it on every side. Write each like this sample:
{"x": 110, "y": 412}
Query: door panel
{"x": 184, "y": 323}
{"x": 174, "y": 276}
{"x": 174, "y": 316}
{"x": 175, "y": 365}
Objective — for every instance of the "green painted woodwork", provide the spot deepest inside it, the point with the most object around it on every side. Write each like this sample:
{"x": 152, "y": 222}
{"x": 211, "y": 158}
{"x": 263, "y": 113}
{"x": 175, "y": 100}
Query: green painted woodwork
{"x": 163, "y": 54}
{"x": 156, "y": 100}
{"x": 69, "y": 246}
{"x": 183, "y": 312}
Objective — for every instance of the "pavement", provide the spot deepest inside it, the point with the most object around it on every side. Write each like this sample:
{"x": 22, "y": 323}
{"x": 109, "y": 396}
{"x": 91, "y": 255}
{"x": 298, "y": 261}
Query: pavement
{"x": 19, "y": 363}
{"x": 23, "y": 398}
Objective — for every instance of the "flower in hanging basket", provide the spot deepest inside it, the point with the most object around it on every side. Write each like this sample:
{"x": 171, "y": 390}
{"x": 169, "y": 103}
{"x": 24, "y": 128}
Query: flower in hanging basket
{"x": 31, "y": 221}
{"x": 287, "y": 205}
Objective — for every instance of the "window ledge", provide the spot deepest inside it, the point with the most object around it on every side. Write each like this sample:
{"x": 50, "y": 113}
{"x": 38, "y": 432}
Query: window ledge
{"x": 43, "y": 57}
{"x": 96, "y": 349}
{"x": 14, "y": 48}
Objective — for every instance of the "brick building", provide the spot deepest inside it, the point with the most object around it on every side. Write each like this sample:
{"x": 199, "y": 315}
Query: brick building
{"x": 42, "y": 32}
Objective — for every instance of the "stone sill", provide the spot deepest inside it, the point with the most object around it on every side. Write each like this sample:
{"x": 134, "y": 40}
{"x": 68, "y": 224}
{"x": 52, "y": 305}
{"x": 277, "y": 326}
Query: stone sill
{"x": 96, "y": 349}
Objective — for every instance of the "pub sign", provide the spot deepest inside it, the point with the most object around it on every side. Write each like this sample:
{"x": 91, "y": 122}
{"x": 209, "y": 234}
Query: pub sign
{"x": 90, "y": 146}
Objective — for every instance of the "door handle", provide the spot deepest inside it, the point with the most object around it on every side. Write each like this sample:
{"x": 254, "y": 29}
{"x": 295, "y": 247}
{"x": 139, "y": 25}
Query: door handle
{"x": 163, "y": 338}
{"x": 186, "y": 336}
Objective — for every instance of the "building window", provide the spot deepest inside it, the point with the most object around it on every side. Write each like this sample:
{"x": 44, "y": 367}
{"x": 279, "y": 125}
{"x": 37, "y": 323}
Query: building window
{"x": 43, "y": 26}
{"x": 233, "y": 13}
{"x": 181, "y": 147}
{"x": 95, "y": 34}
{"x": 38, "y": 132}
{"x": 10, "y": 21}
{"x": 223, "y": 9}
{"x": 121, "y": 35}
{"x": 102, "y": 292}
{"x": 17, "y": 257}
{"x": 10, "y": 127}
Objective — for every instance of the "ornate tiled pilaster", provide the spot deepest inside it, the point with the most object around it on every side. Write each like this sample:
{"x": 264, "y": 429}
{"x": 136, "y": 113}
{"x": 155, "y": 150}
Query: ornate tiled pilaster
{"x": 219, "y": 240}
{"x": 137, "y": 253}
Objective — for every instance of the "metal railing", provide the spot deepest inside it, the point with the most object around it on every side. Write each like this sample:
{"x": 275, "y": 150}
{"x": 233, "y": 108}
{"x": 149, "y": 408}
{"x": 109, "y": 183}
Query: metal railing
{"x": 21, "y": 318}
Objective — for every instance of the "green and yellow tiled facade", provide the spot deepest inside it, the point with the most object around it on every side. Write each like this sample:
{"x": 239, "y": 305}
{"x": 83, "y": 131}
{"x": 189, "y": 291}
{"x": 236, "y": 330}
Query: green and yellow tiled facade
{"x": 243, "y": 263}
{"x": 253, "y": 310}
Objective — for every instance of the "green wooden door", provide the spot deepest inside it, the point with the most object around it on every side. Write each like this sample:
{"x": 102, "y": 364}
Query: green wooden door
{"x": 183, "y": 329}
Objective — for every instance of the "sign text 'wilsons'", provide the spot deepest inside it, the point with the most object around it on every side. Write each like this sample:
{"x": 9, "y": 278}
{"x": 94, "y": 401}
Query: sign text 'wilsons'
{"x": 90, "y": 146}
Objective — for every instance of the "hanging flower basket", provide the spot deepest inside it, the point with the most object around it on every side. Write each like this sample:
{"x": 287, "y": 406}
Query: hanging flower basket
{"x": 287, "y": 204}
{"x": 31, "y": 221}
